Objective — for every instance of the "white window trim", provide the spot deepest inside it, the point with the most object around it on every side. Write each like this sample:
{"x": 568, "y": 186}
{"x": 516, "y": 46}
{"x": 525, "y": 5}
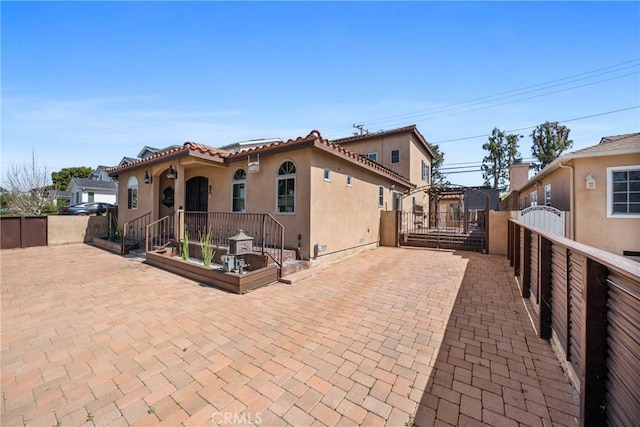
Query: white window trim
{"x": 547, "y": 202}
{"x": 349, "y": 181}
{"x": 380, "y": 196}
{"x": 610, "y": 171}
{"x": 375, "y": 153}
{"x": 391, "y": 157}
{"x": 295, "y": 186}
{"x": 327, "y": 175}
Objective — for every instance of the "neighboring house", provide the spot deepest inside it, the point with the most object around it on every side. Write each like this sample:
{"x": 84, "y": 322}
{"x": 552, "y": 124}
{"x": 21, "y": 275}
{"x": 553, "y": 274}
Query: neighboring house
{"x": 92, "y": 190}
{"x": 328, "y": 198}
{"x": 599, "y": 187}
{"x": 100, "y": 174}
{"x": 454, "y": 204}
{"x": 60, "y": 197}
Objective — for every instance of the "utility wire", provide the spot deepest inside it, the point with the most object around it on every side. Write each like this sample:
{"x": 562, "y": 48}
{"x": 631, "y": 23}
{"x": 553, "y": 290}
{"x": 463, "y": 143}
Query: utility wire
{"x": 493, "y": 97}
{"x": 532, "y": 127}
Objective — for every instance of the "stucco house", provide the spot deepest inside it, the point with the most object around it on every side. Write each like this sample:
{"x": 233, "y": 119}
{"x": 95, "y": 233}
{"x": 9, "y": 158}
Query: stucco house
{"x": 92, "y": 190}
{"x": 598, "y": 187}
{"x": 327, "y": 197}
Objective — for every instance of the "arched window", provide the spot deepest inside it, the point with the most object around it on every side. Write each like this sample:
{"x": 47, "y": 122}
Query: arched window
{"x": 132, "y": 193}
{"x": 286, "y": 202}
{"x": 238, "y": 192}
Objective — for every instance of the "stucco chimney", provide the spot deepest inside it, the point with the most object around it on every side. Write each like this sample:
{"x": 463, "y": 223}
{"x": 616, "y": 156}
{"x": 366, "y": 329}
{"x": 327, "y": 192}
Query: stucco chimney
{"x": 518, "y": 175}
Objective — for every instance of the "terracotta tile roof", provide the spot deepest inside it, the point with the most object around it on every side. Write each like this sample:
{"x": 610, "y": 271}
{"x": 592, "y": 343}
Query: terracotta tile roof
{"x": 178, "y": 151}
{"x": 314, "y": 138}
{"x": 613, "y": 143}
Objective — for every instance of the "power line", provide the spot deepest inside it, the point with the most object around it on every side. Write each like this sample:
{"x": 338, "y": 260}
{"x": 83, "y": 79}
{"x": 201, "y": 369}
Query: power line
{"x": 532, "y": 127}
{"x": 492, "y": 97}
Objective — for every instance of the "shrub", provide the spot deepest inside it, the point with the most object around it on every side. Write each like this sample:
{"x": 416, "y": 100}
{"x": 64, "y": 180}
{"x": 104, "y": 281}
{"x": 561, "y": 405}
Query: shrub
{"x": 207, "y": 247}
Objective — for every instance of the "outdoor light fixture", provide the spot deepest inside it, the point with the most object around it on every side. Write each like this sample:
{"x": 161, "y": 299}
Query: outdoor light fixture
{"x": 591, "y": 182}
{"x": 172, "y": 174}
{"x": 147, "y": 179}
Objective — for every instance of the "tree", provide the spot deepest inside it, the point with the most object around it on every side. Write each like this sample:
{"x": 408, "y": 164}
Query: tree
{"x": 503, "y": 152}
{"x": 550, "y": 140}
{"x": 437, "y": 177}
{"x": 29, "y": 192}
{"x": 62, "y": 178}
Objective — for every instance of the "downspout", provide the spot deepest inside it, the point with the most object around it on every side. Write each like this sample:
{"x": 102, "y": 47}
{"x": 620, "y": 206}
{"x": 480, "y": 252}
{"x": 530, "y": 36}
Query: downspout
{"x": 572, "y": 200}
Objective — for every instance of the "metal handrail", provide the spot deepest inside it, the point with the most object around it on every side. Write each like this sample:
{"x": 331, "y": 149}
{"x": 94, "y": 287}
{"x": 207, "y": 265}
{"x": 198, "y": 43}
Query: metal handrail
{"x": 160, "y": 233}
{"x": 267, "y": 232}
{"x": 134, "y": 231}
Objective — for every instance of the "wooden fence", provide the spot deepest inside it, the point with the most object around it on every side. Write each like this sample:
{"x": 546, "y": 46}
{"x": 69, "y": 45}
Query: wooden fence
{"x": 588, "y": 302}
{"x": 23, "y": 231}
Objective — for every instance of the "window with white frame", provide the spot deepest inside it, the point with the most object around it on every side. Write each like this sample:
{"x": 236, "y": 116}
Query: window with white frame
{"x": 547, "y": 195}
{"x": 239, "y": 191}
{"x": 327, "y": 174}
{"x": 372, "y": 156}
{"x": 380, "y": 196}
{"x": 623, "y": 191}
{"x": 132, "y": 193}
{"x": 92, "y": 196}
{"x": 349, "y": 181}
{"x": 286, "y": 183}
{"x": 425, "y": 172}
{"x": 395, "y": 156}
{"x": 534, "y": 198}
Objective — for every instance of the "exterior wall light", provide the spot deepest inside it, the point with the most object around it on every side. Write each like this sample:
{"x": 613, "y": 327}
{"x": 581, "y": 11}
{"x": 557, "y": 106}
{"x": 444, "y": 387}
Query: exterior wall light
{"x": 591, "y": 182}
{"x": 147, "y": 179}
{"x": 172, "y": 174}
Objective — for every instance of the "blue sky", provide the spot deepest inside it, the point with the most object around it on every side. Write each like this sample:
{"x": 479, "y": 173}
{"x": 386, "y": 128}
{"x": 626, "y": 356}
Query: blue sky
{"x": 86, "y": 83}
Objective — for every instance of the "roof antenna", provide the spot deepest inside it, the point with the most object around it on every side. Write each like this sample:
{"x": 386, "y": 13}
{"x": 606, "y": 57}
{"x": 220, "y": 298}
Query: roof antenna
{"x": 361, "y": 128}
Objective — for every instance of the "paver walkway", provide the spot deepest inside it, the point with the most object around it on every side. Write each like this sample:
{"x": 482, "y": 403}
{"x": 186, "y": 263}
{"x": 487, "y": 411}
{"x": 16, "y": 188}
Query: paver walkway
{"x": 380, "y": 338}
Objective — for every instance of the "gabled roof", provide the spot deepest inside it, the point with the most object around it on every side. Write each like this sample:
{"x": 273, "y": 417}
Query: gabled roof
{"x": 615, "y": 145}
{"x": 215, "y": 154}
{"x": 92, "y": 183}
{"x": 611, "y": 144}
{"x": 383, "y": 133}
{"x": 188, "y": 148}
{"x": 314, "y": 139}
{"x": 126, "y": 161}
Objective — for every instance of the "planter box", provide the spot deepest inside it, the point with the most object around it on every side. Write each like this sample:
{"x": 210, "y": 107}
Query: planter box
{"x": 115, "y": 247}
{"x": 233, "y": 282}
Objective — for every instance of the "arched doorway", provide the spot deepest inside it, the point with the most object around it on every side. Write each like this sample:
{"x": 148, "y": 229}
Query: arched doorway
{"x": 196, "y": 203}
{"x": 197, "y": 194}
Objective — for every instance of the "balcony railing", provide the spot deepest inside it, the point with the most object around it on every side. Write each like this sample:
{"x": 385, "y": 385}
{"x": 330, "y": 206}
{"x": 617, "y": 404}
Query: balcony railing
{"x": 588, "y": 302}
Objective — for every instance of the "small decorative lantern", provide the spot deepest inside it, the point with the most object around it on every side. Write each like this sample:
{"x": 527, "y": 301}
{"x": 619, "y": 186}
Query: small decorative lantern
{"x": 240, "y": 244}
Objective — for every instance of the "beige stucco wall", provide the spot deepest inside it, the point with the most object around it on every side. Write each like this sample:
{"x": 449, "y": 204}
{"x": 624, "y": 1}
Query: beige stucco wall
{"x": 412, "y": 153}
{"x": 65, "y": 229}
{"x": 344, "y": 217}
{"x": 592, "y": 226}
{"x": 498, "y": 223}
{"x": 560, "y": 190}
{"x": 588, "y": 223}
{"x": 326, "y": 213}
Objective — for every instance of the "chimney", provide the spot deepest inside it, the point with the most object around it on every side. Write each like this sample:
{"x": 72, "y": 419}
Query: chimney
{"x": 518, "y": 175}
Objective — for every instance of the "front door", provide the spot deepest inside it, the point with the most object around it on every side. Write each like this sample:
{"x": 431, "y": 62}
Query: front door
{"x": 196, "y": 206}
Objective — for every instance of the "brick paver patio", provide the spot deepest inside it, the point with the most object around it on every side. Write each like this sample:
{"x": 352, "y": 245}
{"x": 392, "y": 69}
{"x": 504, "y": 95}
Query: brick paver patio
{"x": 380, "y": 338}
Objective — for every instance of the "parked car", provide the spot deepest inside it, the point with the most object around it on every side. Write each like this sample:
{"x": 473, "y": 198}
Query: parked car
{"x": 86, "y": 208}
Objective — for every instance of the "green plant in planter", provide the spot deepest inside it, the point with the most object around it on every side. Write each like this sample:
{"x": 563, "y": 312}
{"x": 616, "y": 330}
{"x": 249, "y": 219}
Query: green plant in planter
{"x": 185, "y": 245}
{"x": 208, "y": 248}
